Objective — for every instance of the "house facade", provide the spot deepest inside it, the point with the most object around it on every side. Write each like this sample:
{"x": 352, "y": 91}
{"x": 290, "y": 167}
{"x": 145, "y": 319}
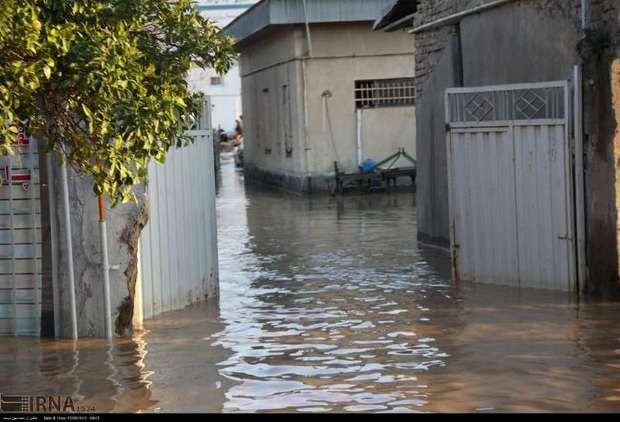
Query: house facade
{"x": 319, "y": 87}
{"x": 480, "y": 46}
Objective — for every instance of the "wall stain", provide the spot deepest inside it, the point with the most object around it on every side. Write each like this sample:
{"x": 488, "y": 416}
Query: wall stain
{"x": 131, "y": 236}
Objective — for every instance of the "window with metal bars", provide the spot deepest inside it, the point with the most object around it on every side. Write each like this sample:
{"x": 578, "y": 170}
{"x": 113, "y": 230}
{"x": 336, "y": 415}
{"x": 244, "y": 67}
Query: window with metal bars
{"x": 377, "y": 93}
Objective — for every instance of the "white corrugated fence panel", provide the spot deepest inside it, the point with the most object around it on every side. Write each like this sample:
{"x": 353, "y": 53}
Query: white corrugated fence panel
{"x": 178, "y": 249}
{"x": 544, "y": 219}
{"x": 484, "y": 202}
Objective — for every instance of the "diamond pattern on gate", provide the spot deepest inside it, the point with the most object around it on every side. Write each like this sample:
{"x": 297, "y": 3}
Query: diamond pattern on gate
{"x": 505, "y": 103}
{"x": 479, "y": 107}
{"x": 530, "y": 104}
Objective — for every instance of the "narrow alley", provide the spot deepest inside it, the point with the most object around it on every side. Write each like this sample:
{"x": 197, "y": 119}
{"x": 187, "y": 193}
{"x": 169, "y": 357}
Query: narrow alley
{"x": 329, "y": 304}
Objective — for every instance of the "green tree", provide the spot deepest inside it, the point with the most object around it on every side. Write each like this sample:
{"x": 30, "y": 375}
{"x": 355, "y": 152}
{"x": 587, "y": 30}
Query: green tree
{"x": 104, "y": 82}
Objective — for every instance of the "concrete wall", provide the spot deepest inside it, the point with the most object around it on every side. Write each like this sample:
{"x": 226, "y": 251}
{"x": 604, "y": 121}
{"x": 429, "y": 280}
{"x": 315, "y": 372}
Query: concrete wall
{"x": 294, "y": 144}
{"x": 380, "y": 142}
{"x": 432, "y": 174}
{"x": 121, "y": 222}
{"x": 545, "y": 48}
{"x": 343, "y": 54}
{"x": 600, "y": 49}
{"x": 167, "y": 266}
{"x": 273, "y": 109}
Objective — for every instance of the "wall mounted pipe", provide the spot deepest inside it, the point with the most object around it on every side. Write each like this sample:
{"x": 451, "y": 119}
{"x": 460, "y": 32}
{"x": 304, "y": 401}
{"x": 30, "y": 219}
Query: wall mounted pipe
{"x": 580, "y": 208}
{"x": 308, "y": 34}
{"x": 105, "y": 267}
{"x": 307, "y": 148}
{"x": 359, "y": 116}
{"x": 69, "y": 244}
{"x": 586, "y": 7}
{"x": 53, "y": 243}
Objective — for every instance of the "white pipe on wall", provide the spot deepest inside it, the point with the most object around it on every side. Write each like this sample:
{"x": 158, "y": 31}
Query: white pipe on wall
{"x": 585, "y": 13}
{"x": 53, "y": 243}
{"x": 105, "y": 270}
{"x": 580, "y": 209}
{"x": 307, "y": 149}
{"x": 358, "y": 135}
{"x": 308, "y": 35}
{"x": 68, "y": 240}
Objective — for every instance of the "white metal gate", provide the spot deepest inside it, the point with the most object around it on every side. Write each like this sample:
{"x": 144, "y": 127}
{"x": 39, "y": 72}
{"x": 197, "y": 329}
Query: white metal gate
{"x": 178, "y": 246}
{"x": 511, "y": 186}
{"x": 20, "y": 241}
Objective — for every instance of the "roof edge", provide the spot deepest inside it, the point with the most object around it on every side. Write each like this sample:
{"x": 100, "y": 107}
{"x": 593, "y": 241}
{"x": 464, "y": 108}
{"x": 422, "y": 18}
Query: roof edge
{"x": 456, "y": 17}
{"x": 289, "y": 12}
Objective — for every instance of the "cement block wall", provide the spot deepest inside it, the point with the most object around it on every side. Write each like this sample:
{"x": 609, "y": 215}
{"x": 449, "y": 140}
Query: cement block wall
{"x": 87, "y": 257}
{"x": 395, "y": 126}
{"x": 432, "y": 174}
{"x": 173, "y": 263}
{"x": 294, "y": 143}
{"x": 273, "y": 112}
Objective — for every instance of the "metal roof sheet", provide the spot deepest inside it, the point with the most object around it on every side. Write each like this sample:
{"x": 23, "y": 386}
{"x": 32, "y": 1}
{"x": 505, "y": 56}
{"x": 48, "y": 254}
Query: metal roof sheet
{"x": 398, "y": 11}
{"x": 268, "y": 13}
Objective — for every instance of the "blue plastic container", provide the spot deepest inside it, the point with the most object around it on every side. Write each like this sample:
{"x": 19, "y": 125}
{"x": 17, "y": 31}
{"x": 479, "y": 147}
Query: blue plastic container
{"x": 367, "y": 166}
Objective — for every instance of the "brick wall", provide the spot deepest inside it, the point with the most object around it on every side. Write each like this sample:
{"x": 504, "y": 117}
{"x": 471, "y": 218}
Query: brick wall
{"x": 606, "y": 15}
{"x": 430, "y": 45}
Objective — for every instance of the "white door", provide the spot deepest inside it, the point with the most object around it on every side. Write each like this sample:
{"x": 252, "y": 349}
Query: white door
{"x": 510, "y": 185}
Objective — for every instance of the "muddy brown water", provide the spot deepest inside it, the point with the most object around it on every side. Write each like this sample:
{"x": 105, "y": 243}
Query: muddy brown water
{"x": 332, "y": 305}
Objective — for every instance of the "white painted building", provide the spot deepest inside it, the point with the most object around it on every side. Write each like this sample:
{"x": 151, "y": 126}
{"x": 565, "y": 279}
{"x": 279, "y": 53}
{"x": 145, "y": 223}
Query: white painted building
{"x": 225, "y": 91}
{"x": 332, "y": 91}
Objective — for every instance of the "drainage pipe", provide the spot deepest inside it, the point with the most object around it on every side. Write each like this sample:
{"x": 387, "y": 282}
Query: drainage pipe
{"x": 307, "y": 148}
{"x": 68, "y": 240}
{"x": 53, "y": 242}
{"x": 308, "y": 35}
{"x": 580, "y": 209}
{"x": 358, "y": 135}
{"x": 586, "y": 7}
{"x": 105, "y": 267}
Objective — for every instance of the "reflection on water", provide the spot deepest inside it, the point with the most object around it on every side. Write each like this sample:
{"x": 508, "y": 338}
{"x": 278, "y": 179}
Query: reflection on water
{"x": 330, "y": 304}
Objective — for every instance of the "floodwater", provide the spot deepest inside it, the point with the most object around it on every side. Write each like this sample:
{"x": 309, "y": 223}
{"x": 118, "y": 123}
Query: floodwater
{"x": 330, "y": 304}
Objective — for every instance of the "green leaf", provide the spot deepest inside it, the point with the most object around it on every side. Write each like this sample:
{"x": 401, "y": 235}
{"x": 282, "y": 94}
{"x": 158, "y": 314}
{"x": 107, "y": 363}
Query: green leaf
{"x": 87, "y": 111}
{"x": 102, "y": 60}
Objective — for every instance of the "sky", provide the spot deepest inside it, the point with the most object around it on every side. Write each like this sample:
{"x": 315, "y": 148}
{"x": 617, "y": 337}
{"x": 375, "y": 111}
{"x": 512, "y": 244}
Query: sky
{"x": 220, "y": 13}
